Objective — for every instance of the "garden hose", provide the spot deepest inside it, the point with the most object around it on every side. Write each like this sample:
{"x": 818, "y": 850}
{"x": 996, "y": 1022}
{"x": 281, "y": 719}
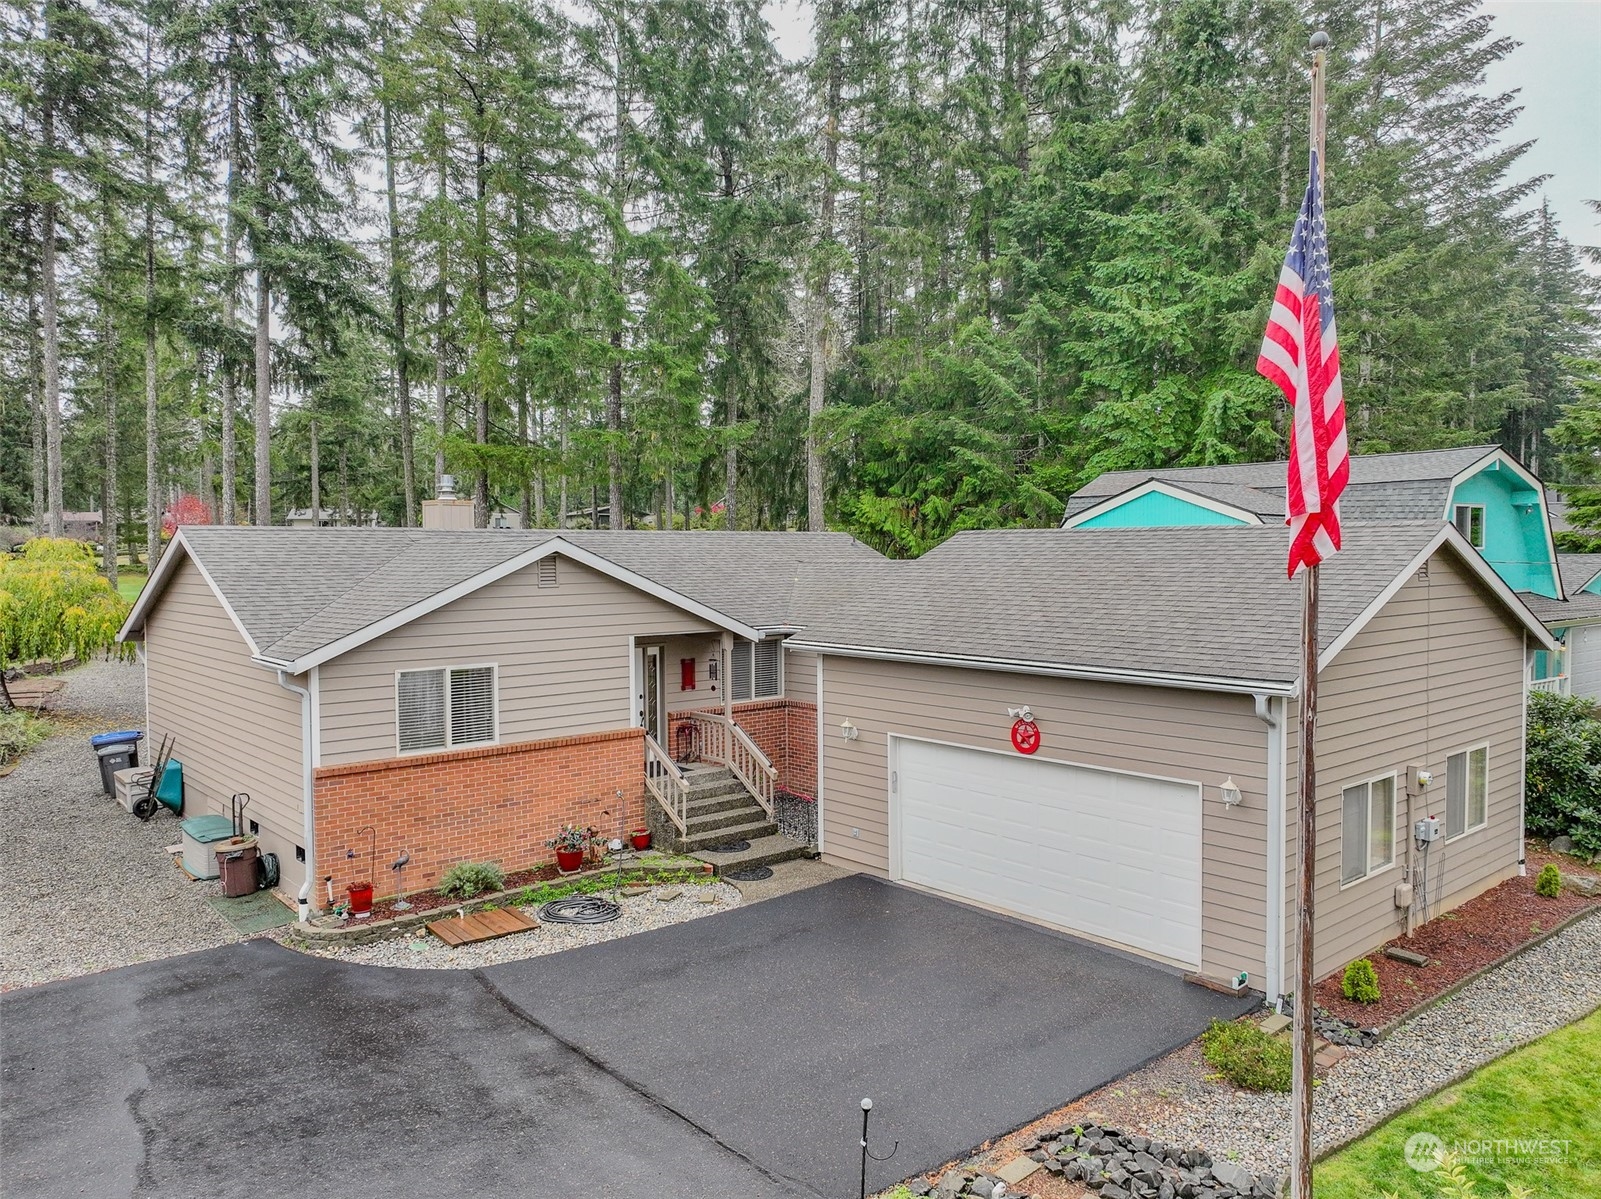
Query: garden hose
{"x": 579, "y": 909}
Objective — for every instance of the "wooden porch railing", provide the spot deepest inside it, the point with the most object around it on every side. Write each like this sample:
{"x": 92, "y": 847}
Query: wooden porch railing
{"x": 1557, "y": 684}
{"x": 724, "y": 742}
{"x": 666, "y": 782}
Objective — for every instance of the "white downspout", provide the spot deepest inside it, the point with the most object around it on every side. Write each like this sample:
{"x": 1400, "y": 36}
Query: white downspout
{"x": 309, "y": 830}
{"x": 1273, "y": 951}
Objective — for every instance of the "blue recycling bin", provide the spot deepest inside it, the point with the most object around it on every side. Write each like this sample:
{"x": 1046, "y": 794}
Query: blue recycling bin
{"x": 117, "y": 751}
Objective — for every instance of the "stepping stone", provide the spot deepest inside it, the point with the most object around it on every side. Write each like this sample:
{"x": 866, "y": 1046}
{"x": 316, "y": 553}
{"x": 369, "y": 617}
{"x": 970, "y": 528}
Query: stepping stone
{"x": 635, "y": 892}
{"x": 1275, "y": 1023}
{"x": 706, "y": 897}
{"x": 1333, "y": 1055}
{"x": 667, "y": 895}
{"x": 1410, "y": 956}
{"x": 1016, "y": 1170}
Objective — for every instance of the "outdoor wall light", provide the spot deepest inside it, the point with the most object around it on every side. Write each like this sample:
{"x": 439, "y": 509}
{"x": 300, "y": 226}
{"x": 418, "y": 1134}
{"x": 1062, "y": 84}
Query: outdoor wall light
{"x": 1231, "y": 792}
{"x": 848, "y": 730}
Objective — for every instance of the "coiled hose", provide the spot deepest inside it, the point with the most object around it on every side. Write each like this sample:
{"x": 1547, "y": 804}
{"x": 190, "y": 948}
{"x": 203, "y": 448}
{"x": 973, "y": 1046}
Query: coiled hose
{"x": 579, "y": 909}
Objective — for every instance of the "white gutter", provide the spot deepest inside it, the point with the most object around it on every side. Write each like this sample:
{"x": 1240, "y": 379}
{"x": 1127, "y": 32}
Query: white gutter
{"x": 309, "y": 829}
{"x": 1011, "y": 666}
{"x": 1273, "y": 951}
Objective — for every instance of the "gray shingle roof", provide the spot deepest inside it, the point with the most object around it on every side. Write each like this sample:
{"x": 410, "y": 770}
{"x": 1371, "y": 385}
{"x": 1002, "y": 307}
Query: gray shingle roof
{"x": 1365, "y": 468}
{"x": 1578, "y": 570}
{"x": 299, "y": 590}
{"x": 1205, "y": 602}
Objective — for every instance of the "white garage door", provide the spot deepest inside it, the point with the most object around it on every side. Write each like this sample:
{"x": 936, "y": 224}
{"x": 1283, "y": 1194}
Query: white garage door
{"x": 1115, "y": 856}
{"x": 1584, "y": 660}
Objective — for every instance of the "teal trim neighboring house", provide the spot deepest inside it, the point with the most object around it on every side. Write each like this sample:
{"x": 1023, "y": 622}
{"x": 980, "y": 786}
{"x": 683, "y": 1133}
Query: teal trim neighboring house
{"x": 1158, "y": 510}
{"x": 1516, "y": 541}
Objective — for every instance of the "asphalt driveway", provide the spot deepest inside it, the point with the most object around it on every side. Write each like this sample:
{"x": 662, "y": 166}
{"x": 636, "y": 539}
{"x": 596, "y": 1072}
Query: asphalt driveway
{"x": 722, "y": 1057}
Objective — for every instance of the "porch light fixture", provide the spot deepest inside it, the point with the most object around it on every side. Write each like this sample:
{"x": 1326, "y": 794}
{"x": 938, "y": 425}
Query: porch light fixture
{"x": 848, "y": 730}
{"x": 1231, "y": 792}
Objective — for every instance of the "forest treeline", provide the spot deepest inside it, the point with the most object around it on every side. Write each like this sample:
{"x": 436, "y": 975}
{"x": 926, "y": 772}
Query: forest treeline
{"x": 618, "y": 261}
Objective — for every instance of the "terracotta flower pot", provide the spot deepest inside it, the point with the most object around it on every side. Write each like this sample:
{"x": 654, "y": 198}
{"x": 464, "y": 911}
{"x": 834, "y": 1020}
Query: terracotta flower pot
{"x": 641, "y": 839}
{"x": 569, "y": 860}
{"x": 360, "y": 898}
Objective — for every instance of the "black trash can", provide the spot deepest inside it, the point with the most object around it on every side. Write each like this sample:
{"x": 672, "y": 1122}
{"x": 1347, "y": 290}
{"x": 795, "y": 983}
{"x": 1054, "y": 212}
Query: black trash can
{"x": 117, "y": 751}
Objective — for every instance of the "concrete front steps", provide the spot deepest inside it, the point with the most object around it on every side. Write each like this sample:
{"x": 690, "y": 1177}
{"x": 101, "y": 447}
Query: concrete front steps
{"x": 721, "y": 810}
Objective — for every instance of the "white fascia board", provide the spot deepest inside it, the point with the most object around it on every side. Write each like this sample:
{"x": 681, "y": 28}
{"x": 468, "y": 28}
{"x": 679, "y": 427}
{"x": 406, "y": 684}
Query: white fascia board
{"x": 1499, "y": 457}
{"x": 1051, "y": 669}
{"x": 1471, "y": 558}
{"x": 157, "y": 583}
{"x": 1159, "y": 487}
{"x": 501, "y": 570}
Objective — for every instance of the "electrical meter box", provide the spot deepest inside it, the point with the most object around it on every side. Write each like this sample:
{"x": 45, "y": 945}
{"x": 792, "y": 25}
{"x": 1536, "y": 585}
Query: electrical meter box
{"x": 1428, "y": 829}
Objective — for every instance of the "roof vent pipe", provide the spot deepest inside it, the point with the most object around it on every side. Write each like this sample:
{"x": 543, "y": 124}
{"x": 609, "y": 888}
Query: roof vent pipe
{"x": 447, "y": 487}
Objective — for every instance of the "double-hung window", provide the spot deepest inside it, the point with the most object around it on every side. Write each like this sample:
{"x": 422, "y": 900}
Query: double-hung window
{"x": 1467, "y": 791}
{"x": 445, "y": 709}
{"x": 758, "y": 669}
{"x": 1469, "y": 521}
{"x": 1367, "y": 828}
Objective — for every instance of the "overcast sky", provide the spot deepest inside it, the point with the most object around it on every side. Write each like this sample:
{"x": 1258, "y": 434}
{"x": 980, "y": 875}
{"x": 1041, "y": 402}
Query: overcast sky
{"x": 1557, "y": 71}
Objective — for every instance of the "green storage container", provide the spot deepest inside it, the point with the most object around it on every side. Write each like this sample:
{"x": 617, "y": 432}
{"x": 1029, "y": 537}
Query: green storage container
{"x": 200, "y": 833}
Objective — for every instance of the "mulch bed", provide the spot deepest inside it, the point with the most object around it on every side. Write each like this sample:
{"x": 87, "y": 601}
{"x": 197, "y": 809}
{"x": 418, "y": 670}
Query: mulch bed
{"x": 1469, "y": 938}
{"x": 426, "y": 901}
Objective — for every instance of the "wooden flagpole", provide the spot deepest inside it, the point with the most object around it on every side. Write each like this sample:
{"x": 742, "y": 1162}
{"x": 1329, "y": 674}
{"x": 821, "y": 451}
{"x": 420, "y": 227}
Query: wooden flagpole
{"x": 1306, "y": 825}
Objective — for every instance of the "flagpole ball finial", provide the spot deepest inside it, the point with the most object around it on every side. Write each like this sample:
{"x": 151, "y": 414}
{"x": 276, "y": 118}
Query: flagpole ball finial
{"x": 1319, "y": 41}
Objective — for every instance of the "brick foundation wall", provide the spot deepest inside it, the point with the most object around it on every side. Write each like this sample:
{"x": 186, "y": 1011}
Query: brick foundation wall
{"x": 498, "y": 804}
{"x": 784, "y": 729}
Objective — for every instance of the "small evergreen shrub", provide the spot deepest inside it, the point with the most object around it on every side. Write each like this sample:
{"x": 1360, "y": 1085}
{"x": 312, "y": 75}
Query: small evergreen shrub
{"x": 1247, "y": 1056}
{"x": 1549, "y": 884}
{"x": 1361, "y": 982}
{"x": 1563, "y": 770}
{"x": 466, "y": 879}
{"x": 20, "y": 732}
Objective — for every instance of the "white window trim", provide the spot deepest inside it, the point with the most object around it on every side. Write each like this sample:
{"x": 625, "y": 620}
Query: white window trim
{"x": 1469, "y": 829}
{"x": 1467, "y": 533}
{"x": 1367, "y": 827}
{"x": 449, "y": 745}
{"x": 753, "y": 698}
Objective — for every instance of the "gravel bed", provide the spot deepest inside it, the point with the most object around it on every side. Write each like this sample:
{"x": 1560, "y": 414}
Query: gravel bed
{"x": 423, "y": 951}
{"x": 84, "y": 886}
{"x": 1539, "y": 991}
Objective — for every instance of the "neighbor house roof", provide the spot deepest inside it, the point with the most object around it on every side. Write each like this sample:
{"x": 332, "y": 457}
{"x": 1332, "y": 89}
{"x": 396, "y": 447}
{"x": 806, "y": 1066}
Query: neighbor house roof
{"x": 300, "y": 596}
{"x": 1383, "y": 487}
{"x": 1201, "y": 606}
{"x": 1577, "y": 570}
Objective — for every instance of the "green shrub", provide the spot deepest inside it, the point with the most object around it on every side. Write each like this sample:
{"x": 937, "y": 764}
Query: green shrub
{"x": 1549, "y": 884}
{"x": 1563, "y": 771}
{"x": 466, "y": 879}
{"x": 1361, "y": 982}
{"x": 1247, "y": 1056}
{"x": 20, "y": 732}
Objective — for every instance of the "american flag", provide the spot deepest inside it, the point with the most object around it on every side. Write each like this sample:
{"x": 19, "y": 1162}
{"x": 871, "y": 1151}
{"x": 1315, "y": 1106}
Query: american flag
{"x": 1301, "y": 355}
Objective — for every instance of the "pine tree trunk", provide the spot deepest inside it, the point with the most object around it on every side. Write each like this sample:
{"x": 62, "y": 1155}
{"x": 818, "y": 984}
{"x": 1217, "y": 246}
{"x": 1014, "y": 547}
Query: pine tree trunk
{"x": 315, "y": 455}
{"x": 230, "y": 401}
{"x": 36, "y": 409}
{"x": 481, "y": 263}
{"x": 561, "y": 517}
{"x": 109, "y": 533}
{"x": 263, "y": 394}
{"x": 441, "y": 310}
{"x": 48, "y": 314}
{"x": 152, "y": 432}
{"x": 829, "y": 51}
{"x": 397, "y": 302}
{"x": 614, "y": 381}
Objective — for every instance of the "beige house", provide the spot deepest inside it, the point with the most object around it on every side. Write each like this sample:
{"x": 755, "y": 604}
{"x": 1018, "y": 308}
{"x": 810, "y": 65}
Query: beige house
{"x": 1092, "y": 730}
{"x": 1159, "y": 672}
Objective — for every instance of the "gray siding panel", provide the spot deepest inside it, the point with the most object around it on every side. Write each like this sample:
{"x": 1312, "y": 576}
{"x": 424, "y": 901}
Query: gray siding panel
{"x": 235, "y": 728}
{"x": 1438, "y": 671}
{"x": 562, "y": 654}
{"x": 1190, "y": 735}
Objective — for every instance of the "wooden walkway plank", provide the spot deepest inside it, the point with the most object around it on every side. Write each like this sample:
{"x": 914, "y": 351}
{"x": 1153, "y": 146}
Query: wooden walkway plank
{"x": 481, "y": 926}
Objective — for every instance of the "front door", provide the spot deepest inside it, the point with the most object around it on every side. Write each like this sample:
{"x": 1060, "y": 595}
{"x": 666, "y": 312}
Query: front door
{"x": 652, "y": 695}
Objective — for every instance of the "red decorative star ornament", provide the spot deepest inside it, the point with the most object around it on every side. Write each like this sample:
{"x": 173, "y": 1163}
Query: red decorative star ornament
{"x": 1025, "y": 736}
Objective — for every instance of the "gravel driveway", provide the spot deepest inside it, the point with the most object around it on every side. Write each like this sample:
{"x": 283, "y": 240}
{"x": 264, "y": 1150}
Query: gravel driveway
{"x": 84, "y": 886}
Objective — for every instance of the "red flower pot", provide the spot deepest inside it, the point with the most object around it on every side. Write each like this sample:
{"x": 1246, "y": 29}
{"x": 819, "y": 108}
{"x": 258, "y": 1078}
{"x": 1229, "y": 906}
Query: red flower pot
{"x": 360, "y": 899}
{"x": 569, "y": 860}
{"x": 641, "y": 839}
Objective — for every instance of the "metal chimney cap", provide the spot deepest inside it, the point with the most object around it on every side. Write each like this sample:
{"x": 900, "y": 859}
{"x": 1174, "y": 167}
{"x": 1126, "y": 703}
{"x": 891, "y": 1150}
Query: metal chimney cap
{"x": 447, "y": 487}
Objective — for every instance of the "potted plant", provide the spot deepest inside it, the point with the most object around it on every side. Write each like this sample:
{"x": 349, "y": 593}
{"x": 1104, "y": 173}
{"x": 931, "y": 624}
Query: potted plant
{"x": 360, "y": 899}
{"x": 641, "y": 838}
{"x": 569, "y": 845}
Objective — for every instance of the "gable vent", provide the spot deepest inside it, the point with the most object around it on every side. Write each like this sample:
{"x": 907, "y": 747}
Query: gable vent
{"x": 545, "y": 571}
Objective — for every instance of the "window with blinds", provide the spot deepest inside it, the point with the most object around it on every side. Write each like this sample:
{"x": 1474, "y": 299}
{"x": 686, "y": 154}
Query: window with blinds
{"x": 757, "y": 670}
{"x": 445, "y": 709}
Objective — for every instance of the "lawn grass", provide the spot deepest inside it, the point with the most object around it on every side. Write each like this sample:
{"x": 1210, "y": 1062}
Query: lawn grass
{"x": 1550, "y": 1089}
{"x": 129, "y": 585}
